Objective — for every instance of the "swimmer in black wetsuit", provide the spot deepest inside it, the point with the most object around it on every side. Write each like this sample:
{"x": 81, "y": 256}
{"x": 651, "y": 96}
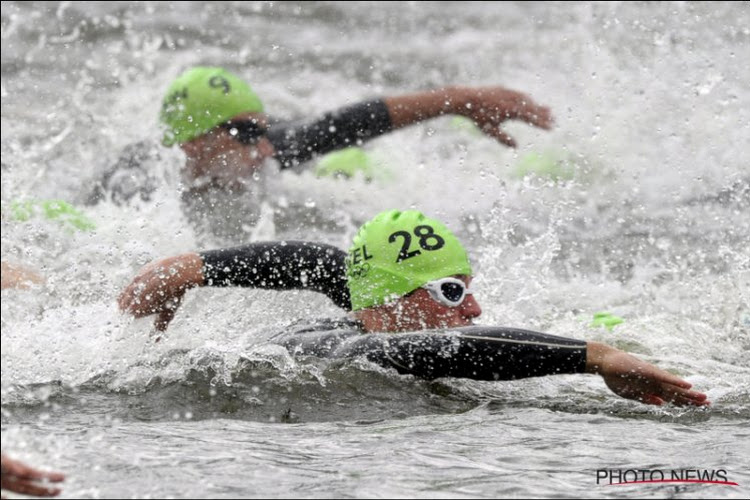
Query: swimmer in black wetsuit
{"x": 403, "y": 273}
{"x": 219, "y": 123}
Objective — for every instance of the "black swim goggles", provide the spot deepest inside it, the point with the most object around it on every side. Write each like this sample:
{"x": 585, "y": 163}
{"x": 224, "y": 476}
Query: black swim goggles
{"x": 450, "y": 292}
{"x": 247, "y": 132}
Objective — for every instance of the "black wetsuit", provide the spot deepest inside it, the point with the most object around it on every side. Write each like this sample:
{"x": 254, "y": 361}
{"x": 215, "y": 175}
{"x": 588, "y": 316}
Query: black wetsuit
{"x": 476, "y": 352}
{"x": 297, "y": 143}
{"x": 294, "y": 143}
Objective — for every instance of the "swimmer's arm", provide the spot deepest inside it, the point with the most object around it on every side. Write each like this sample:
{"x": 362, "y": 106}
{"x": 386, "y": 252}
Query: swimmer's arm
{"x": 488, "y": 107}
{"x": 281, "y": 265}
{"x": 159, "y": 287}
{"x": 509, "y": 353}
{"x": 349, "y": 126}
{"x": 487, "y": 354}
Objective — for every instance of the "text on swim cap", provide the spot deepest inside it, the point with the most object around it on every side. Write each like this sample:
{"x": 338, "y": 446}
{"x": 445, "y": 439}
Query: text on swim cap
{"x": 424, "y": 233}
{"x": 219, "y": 82}
{"x": 356, "y": 262}
{"x": 174, "y": 98}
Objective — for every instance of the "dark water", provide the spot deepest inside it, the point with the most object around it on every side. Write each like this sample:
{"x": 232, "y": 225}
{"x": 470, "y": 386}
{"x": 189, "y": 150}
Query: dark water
{"x": 651, "y": 102}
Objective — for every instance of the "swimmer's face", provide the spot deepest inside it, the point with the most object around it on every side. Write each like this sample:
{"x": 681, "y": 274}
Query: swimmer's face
{"x": 419, "y": 311}
{"x": 220, "y": 157}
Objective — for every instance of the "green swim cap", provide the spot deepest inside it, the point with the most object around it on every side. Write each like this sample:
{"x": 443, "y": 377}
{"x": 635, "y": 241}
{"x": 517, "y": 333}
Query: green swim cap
{"x": 549, "y": 164}
{"x": 58, "y": 210}
{"x": 397, "y": 252}
{"x": 465, "y": 124}
{"x": 346, "y": 162}
{"x": 607, "y": 320}
{"x": 202, "y": 98}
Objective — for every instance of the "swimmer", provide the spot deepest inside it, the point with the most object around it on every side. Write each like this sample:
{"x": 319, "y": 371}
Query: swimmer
{"x": 220, "y": 124}
{"x": 404, "y": 272}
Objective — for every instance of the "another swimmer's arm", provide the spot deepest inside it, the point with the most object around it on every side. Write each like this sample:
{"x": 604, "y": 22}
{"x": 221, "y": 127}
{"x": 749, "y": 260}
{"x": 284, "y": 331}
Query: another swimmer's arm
{"x": 488, "y": 107}
{"x": 160, "y": 286}
{"x": 349, "y": 126}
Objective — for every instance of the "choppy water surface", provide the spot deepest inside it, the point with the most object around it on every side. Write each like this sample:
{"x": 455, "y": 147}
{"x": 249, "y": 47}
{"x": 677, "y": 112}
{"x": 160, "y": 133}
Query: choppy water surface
{"x": 652, "y": 108}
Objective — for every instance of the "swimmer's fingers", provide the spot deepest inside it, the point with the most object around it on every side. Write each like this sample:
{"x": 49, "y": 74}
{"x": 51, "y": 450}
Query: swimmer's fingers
{"x": 669, "y": 387}
{"x": 677, "y": 400}
{"x": 13, "y": 467}
{"x": 645, "y": 387}
{"x": 650, "y": 399}
{"x": 166, "y": 315}
{"x": 20, "y": 478}
{"x": 534, "y": 114}
{"x": 500, "y": 135}
{"x": 683, "y": 397}
{"x": 496, "y": 105}
{"x": 162, "y": 321}
{"x": 26, "y": 487}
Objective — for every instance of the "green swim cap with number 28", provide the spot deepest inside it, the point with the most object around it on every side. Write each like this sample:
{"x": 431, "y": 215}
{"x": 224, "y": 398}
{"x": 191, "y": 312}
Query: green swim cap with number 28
{"x": 397, "y": 252}
{"x": 200, "y": 99}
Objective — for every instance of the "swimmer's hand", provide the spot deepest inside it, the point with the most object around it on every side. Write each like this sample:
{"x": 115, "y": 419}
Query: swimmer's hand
{"x": 20, "y": 478}
{"x": 15, "y": 276}
{"x": 633, "y": 378}
{"x": 159, "y": 287}
{"x": 488, "y": 107}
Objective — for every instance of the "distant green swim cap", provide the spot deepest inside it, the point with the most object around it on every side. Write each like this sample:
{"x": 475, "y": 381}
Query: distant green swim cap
{"x": 352, "y": 161}
{"x": 607, "y": 320}
{"x": 202, "y": 98}
{"x": 397, "y": 252}
{"x": 59, "y": 210}
{"x": 465, "y": 124}
{"x": 346, "y": 162}
{"x": 549, "y": 164}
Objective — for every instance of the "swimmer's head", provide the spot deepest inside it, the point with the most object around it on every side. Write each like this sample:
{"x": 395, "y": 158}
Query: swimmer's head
{"x": 202, "y": 98}
{"x": 398, "y": 252}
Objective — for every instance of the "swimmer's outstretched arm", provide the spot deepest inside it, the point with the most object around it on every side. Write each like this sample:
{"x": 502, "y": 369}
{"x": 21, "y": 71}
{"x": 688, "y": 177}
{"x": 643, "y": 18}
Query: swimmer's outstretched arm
{"x": 501, "y": 353}
{"x": 488, "y": 107}
{"x": 158, "y": 288}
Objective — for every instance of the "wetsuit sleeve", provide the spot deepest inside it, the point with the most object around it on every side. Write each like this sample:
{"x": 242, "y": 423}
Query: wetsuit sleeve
{"x": 281, "y": 265}
{"x": 349, "y": 126}
{"x": 479, "y": 353}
